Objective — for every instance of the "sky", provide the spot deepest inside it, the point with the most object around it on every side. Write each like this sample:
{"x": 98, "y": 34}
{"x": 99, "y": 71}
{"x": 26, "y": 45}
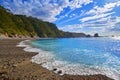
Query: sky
{"x": 88, "y": 16}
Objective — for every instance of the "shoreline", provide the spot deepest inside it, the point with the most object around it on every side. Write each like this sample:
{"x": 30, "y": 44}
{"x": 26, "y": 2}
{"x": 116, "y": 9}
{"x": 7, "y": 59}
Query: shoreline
{"x": 17, "y": 61}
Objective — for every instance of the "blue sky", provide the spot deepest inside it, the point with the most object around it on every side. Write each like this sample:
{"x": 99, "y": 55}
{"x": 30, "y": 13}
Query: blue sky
{"x": 88, "y": 16}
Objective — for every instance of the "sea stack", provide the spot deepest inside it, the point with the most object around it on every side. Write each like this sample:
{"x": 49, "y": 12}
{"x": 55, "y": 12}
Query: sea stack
{"x": 96, "y": 35}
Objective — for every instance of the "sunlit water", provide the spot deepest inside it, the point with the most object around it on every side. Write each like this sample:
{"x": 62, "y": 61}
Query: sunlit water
{"x": 79, "y": 56}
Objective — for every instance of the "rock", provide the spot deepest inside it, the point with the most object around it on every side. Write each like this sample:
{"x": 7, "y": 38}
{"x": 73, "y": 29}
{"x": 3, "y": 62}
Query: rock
{"x": 54, "y": 69}
{"x": 4, "y": 67}
{"x": 88, "y": 35}
{"x": 96, "y": 35}
{"x": 14, "y": 65}
{"x": 59, "y": 72}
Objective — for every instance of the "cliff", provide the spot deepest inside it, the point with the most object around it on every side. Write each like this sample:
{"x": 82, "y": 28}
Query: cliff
{"x": 22, "y": 26}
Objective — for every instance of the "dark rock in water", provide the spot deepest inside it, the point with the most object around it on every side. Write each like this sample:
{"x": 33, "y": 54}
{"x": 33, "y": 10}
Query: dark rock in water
{"x": 88, "y": 35}
{"x": 96, "y": 35}
{"x": 59, "y": 72}
{"x": 54, "y": 69}
{"x": 112, "y": 35}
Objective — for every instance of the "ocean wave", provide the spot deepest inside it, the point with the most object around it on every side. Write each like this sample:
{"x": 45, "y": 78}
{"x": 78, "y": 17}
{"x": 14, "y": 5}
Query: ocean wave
{"x": 47, "y": 60}
{"x": 116, "y": 38}
{"x": 23, "y": 44}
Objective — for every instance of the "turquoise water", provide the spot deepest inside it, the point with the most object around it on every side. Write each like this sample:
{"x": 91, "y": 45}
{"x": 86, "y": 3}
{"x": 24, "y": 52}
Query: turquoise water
{"x": 92, "y": 55}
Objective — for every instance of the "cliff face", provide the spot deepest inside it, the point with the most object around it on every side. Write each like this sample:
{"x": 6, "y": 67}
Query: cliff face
{"x": 21, "y": 26}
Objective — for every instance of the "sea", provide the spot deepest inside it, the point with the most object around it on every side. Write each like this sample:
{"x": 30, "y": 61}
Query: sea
{"x": 77, "y": 56}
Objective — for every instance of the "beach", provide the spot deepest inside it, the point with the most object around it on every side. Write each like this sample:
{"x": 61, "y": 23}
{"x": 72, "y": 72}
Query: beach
{"x": 15, "y": 64}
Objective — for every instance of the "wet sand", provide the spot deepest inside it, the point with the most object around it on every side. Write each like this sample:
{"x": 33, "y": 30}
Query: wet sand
{"x": 15, "y": 64}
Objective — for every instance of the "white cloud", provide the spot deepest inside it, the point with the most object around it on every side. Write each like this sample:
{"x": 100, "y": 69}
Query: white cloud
{"x": 113, "y": 22}
{"x": 71, "y": 27}
{"x": 73, "y": 18}
{"x": 43, "y": 9}
{"x": 109, "y": 1}
{"x": 73, "y": 5}
{"x": 100, "y": 20}
{"x": 100, "y": 12}
{"x": 108, "y": 25}
{"x": 95, "y": 17}
{"x": 78, "y": 3}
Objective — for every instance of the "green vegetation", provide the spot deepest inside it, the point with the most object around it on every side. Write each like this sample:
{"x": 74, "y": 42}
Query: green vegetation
{"x": 21, "y": 26}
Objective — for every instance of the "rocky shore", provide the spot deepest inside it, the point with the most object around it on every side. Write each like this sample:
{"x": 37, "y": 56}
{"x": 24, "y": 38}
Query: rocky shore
{"x": 15, "y": 64}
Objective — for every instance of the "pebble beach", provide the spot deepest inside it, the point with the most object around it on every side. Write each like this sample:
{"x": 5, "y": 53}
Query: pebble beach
{"x": 15, "y": 64}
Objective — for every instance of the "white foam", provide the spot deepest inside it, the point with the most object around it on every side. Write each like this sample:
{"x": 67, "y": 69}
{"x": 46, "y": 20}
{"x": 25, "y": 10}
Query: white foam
{"x": 47, "y": 60}
{"x": 116, "y": 37}
{"x": 22, "y": 44}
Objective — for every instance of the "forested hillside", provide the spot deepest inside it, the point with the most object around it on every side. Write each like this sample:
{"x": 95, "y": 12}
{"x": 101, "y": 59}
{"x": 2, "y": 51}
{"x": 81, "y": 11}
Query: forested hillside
{"x": 21, "y": 26}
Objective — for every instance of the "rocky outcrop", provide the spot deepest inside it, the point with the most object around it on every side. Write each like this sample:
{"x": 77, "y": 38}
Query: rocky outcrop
{"x": 96, "y": 35}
